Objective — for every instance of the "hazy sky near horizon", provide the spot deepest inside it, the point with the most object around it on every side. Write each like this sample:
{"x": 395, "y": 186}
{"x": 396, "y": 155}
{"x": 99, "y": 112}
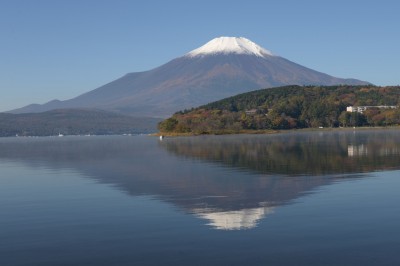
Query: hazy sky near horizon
{"x": 53, "y": 49}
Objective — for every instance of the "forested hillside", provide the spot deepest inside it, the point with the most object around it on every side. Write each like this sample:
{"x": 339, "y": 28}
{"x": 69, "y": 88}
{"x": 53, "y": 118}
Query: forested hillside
{"x": 290, "y": 107}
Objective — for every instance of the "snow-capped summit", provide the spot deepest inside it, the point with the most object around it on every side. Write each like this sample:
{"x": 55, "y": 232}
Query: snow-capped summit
{"x": 227, "y": 45}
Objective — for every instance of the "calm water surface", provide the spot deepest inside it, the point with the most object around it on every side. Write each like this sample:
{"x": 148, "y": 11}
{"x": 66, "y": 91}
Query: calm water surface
{"x": 318, "y": 198}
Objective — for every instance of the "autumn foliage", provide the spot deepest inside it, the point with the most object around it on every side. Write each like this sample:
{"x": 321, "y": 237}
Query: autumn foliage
{"x": 290, "y": 107}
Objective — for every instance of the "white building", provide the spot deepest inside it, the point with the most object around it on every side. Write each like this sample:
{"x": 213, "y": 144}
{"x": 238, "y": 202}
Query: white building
{"x": 361, "y": 109}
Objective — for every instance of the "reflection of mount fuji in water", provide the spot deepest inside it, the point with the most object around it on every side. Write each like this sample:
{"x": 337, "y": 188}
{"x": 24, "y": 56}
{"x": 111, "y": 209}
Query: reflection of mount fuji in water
{"x": 226, "y": 198}
{"x": 237, "y": 196}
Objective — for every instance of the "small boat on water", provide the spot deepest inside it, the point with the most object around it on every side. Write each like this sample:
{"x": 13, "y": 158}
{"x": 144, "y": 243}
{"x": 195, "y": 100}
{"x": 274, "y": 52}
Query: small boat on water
{"x": 60, "y": 135}
{"x": 161, "y": 137}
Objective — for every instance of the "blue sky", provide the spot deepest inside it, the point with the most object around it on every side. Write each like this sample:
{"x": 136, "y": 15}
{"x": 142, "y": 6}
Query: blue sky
{"x": 59, "y": 49}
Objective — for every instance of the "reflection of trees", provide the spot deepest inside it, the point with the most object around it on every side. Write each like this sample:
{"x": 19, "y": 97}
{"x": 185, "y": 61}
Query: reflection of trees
{"x": 296, "y": 154}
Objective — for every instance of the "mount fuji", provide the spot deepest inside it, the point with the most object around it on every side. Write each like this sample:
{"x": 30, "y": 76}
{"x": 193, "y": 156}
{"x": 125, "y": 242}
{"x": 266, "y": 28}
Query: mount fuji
{"x": 223, "y": 67}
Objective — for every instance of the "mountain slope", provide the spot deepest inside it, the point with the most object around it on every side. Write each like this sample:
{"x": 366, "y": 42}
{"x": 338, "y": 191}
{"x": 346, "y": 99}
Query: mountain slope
{"x": 221, "y": 68}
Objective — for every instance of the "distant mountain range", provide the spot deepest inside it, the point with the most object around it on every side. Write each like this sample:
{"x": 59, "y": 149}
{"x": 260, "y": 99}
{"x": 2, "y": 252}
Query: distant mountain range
{"x": 223, "y": 67}
{"x": 74, "y": 122}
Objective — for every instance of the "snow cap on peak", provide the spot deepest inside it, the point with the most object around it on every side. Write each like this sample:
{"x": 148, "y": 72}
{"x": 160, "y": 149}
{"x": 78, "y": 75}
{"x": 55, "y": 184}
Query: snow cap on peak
{"x": 227, "y": 45}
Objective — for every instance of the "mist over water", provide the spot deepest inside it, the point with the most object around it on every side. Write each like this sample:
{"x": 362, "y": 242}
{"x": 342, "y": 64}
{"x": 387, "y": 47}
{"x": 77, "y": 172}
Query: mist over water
{"x": 314, "y": 198}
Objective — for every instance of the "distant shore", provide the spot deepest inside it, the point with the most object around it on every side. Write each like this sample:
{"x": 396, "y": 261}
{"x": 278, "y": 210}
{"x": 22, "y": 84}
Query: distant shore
{"x": 256, "y": 132}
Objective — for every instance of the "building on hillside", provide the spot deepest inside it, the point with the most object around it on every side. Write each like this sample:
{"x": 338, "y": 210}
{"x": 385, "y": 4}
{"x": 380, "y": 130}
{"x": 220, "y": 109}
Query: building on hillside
{"x": 361, "y": 109}
{"x": 251, "y": 112}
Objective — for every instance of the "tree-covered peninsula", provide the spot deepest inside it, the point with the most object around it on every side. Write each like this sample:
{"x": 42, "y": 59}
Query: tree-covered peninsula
{"x": 291, "y": 107}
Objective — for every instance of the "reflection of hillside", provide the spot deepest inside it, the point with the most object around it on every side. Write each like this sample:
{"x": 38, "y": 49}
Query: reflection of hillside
{"x": 297, "y": 154}
{"x": 234, "y": 197}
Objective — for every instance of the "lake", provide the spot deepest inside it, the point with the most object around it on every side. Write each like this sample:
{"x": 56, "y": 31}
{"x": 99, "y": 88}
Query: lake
{"x": 301, "y": 198}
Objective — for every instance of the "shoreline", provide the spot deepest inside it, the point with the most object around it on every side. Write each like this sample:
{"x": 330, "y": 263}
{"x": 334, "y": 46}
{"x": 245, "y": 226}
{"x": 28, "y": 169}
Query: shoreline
{"x": 269, "y": 132}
